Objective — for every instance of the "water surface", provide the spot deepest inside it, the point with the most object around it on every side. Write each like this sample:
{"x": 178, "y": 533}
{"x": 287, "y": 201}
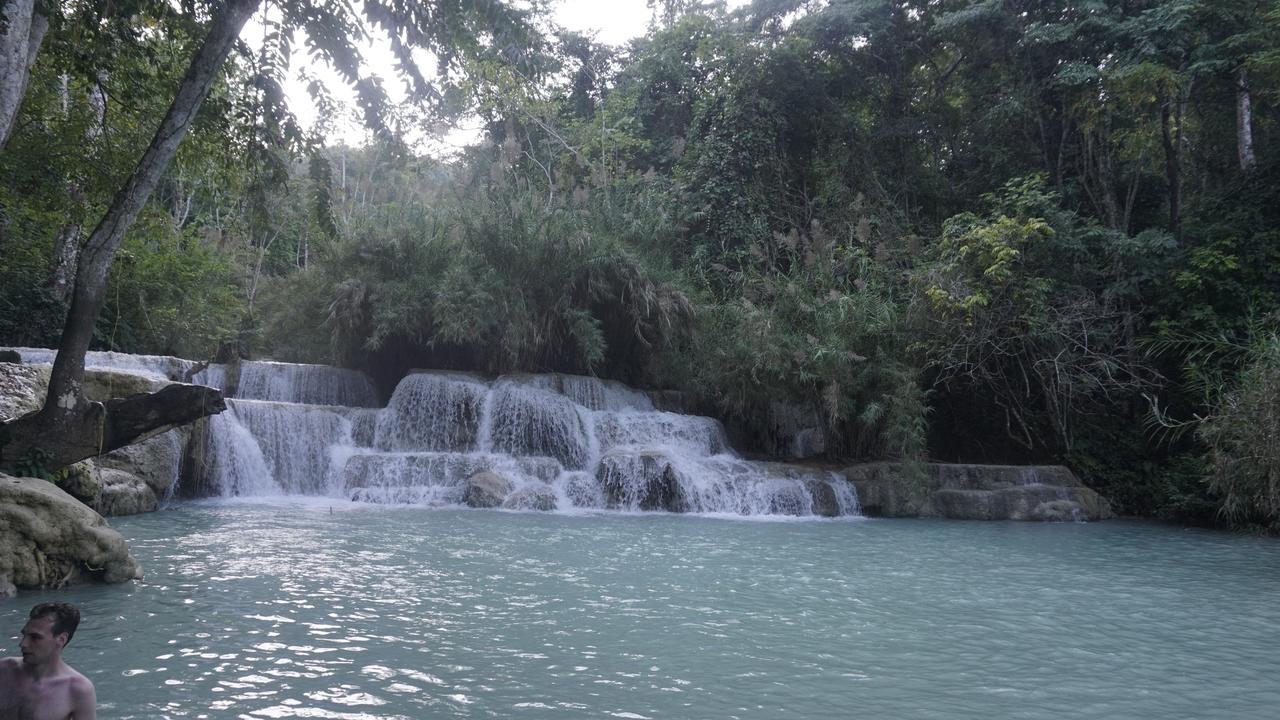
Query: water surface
{"x": 297, "y": 610}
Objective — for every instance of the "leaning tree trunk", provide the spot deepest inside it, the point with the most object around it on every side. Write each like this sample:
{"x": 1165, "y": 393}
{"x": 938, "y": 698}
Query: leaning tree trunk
{"x": 22, "y": 31}
{"x": 66, "y": 412}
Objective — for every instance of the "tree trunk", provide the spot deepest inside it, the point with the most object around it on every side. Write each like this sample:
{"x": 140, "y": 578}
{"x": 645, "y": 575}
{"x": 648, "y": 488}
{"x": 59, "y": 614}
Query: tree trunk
{"x": 66, "y": 251}
{"x": 22, "y": 31}
{"x": 66, "y": 244}
{"x": 100, "y": 249}
{"x": 1244, "y": 122}
{"x": 66, "y": 414}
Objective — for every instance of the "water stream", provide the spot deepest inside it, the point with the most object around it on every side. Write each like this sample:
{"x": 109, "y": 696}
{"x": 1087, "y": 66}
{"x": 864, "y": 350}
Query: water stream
{"x": 563, "y": 442}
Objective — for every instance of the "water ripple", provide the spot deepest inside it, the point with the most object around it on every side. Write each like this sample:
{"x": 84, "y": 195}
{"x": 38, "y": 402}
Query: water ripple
{"x": 290, "y": 611}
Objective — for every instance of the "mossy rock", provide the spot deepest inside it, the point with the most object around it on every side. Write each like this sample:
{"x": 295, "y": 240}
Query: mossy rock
{"x": 80, "y": 481}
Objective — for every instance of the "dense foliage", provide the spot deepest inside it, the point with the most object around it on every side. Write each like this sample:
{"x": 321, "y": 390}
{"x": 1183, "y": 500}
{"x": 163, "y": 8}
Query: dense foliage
{"x": 967, "y": 230}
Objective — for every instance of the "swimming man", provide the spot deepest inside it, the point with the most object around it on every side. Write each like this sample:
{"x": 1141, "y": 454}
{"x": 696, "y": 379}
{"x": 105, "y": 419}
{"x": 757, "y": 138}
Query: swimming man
{"x": 38, "y": 685}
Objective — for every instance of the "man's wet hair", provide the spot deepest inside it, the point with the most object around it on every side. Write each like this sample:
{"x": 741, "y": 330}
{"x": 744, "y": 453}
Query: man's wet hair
{"x": 66, "y": 618}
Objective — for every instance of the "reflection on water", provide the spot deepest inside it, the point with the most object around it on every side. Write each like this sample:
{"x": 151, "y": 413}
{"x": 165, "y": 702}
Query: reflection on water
{"x": 294, "y": 611}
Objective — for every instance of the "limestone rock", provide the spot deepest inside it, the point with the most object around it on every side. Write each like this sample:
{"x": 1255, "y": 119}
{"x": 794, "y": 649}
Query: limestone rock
{"x": 80, "y": 481}
{"x": 976, "y": 492}
{"x": 889, "y": 489}
{"x": 123, "y": 493}
{"x": 532, "y": 497}
{"x": 824, "y": 498}
{"x": 1058, "y": 511}
{"x": 670, "y": 401}
{"x": 22, "y": 389}
{"x": 486, "y": 489}
{"x": 154, "y": 461}
{"x": 639, "y": 481}
{"x": 48, "y": 539}
{"x": 102, "y": 385}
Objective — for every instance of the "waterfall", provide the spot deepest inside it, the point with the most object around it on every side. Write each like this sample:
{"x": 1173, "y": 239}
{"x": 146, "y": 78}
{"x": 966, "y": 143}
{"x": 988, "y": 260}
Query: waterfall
{"x": 543, "y": 441}
{"x": 300, "y": 444}
{"x": 293, "y": 383}
{"x": 432, "y": 411}
{"x": 520, "y": 441}
{"x": 527, "y": 420}
{"x": 237, "y": 466}
{"x": 311, "y": 384}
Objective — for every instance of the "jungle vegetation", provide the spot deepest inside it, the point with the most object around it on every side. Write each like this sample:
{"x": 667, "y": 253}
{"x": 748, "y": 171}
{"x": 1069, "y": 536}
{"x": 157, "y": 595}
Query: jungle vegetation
{"x": 958, "y": 230}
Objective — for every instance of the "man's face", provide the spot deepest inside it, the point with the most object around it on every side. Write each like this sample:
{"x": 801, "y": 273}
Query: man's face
{"x": 39, "y": 643}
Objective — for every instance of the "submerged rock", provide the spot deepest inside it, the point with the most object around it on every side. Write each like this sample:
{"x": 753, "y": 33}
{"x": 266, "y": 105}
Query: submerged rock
{"x": 532, "y": 497}
{"x": 48, "y": 539}
{"x": 486, "y": 489}
{"x": 1058, "y": 511}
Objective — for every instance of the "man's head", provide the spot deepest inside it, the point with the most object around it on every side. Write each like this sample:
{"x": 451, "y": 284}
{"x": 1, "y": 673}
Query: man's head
{"x": 49, "y": 628}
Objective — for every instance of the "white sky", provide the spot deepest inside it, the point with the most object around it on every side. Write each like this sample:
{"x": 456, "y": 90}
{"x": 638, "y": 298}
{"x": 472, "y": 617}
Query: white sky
{"x": 612, "y": 21}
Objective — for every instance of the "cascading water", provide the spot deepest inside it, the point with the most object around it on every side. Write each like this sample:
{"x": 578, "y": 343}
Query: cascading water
{"x": 548, "y": 441}
{"x": 542, "y": 441}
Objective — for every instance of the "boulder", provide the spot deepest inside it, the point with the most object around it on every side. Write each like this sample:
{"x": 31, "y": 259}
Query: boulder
{"x": 22, "y": 389}
{"x": 532, "y": 497}
{"x": 486, "y": 489}
{"x": 154, "y": 461}
{"x": 111, "y": 491}
{"x": 10, "y": 356}
{"x": 48, "y": 539}
{"x": 639, "y": 481}
{"x": 824, "y": 498}
{"x": 80, "y": 481}
{"x": 123, "y": 493}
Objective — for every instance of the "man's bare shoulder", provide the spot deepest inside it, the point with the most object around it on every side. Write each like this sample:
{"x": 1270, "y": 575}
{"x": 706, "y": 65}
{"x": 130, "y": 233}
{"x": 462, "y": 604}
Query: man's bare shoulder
{"x": 84, "y": 698}
{"x": 76, "y": 679}
{"x": 10, "y": 665}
